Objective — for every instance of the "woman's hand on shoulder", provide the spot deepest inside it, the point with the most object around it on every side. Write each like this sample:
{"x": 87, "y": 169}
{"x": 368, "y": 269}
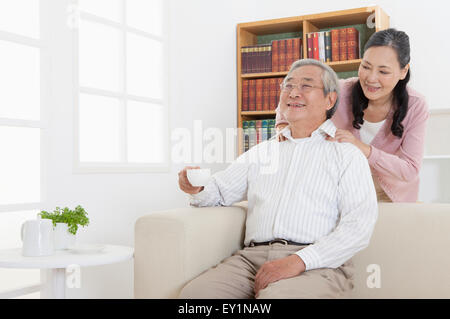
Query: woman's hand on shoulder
{"x": 345, "y": 136}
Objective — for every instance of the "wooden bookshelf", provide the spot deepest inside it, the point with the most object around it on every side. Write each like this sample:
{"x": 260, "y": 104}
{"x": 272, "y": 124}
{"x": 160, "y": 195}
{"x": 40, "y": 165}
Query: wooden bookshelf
{"x": 252, "y": 33}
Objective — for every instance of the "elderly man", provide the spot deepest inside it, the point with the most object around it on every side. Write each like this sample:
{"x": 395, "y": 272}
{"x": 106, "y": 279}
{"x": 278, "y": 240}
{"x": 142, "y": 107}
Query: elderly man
{"x": 307, "y": 217}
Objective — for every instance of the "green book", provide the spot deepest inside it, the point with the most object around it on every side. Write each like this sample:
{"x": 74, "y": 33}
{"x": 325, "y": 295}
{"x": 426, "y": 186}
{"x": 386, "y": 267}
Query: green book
{"x": 251, "y": 134}
{"x": 245, "y": 137}
{"x": 265, "y": 129}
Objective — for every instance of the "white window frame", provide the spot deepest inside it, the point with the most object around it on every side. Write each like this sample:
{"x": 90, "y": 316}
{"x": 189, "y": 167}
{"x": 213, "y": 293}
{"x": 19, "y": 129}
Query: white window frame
{"x": 42, "y": 124}
{"x": 123, "y": 166}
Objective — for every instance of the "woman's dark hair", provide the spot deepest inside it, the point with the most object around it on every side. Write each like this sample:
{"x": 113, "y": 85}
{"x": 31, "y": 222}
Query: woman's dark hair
{"x": 399, "y": 41}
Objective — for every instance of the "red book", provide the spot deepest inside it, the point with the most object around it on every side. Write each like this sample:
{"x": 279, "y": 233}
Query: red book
{"x": 275, "y": 56}
{"x": 310, "y": 43}
{"x": 282, "y": 57}
{"x": 257, "y": 68}
{"x": 258, "y": 131}
{"x": 343, "y": 45}
{"x": 252, "y": 95}
{"x": 316, "y": 46}
{"x": 273, "y": 93}
{"x": 289, "y": 53}
{"x": 352, "y": 43}
{"x": 245, "y": 95}
{"x": 279, "y": 81}
{"x": 259, "y": 92}
{"x": 266, "y": 94}
{"x": 297, "y": 49}
{"x": 335, "y": 45}
{"x": 243, "y": 60}
{"x": 268, "y": 58}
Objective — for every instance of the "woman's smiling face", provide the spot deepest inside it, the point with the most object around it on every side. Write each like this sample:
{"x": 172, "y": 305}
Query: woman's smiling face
{"x": 380, "y": 72}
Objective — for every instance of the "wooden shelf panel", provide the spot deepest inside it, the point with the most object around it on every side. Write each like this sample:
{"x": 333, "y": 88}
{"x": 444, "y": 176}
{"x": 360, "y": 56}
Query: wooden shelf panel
{"x": 340, "y": 66}
{"x": 345, "y": 66}
{"x": 292, "y": 24}
{"x": 252, "y": 113}
{"x": 341, "y": 18}
{"x": 264, "y": 75}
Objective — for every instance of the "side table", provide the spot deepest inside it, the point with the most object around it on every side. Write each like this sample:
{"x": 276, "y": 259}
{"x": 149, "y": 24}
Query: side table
{"x": 53, "y": 268}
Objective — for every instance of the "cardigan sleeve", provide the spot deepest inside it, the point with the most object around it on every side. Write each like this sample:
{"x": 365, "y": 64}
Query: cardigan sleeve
{"x": 405, "y": 163}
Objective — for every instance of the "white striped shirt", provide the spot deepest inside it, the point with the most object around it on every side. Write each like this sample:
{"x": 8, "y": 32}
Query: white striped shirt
{"x": 306, "y": 190}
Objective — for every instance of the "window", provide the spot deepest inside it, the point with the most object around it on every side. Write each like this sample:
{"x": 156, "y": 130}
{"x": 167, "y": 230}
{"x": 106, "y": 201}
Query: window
{"x": 121, "y": 98}
{"x": 22, "y": 122}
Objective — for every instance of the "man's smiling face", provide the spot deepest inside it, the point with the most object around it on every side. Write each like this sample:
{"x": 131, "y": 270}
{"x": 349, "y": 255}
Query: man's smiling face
{"x": 302, "y": 99}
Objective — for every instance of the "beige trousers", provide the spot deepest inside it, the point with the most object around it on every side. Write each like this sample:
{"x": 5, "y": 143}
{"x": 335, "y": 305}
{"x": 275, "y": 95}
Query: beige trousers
{"x": 235, "y": 277}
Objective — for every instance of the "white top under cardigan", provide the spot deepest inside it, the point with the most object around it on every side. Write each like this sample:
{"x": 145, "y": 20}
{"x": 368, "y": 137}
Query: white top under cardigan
{"x": 306, "y": 190}
{"x": 369, "y": 130}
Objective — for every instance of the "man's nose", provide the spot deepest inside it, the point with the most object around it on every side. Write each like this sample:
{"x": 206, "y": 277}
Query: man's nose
{"x": 295, "y": 92}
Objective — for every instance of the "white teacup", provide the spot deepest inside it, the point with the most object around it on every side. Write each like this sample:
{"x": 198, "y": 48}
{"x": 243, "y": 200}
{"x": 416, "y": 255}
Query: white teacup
{"x": 199, "y": 176}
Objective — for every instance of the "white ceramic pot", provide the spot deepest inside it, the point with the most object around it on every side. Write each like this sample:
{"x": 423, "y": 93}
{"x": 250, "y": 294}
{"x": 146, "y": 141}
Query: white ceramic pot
{"x": 63, "y": 239}
{"x": 37, "y": 237}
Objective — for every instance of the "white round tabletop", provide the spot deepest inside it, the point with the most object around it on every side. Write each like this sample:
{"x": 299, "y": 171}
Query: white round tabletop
{"x": 12, "y": 258}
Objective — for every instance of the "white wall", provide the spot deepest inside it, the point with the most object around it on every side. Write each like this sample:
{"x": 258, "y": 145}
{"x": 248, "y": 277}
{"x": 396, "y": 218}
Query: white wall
{"x": 202, "y": 86}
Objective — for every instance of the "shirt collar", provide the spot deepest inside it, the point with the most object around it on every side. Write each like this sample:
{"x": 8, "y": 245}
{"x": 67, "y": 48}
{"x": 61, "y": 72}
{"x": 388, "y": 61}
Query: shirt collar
{"x": 327, "y": 128}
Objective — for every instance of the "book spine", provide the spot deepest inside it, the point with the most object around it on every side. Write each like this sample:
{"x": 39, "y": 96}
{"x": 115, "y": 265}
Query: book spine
{"x": 254, "y": 57}
{"x": 275, "y": 57}
{"x": 245, "y": 95}
{"x": 258, "y": 59}
{"x": 279, "y": 81}
{"x": 259, "y": 92}
{"x": 343, "y": 44}
{"x": 282, "y": 55}
{"x": 258, "y": 131}
{"x": 296, "y": 50}
{"x": 252, "y": 95}
{"x": 322, "y": 46}
{"x": 262, "y": 60}
{"x": 243, "y": 62}
{"x": 272, "y": 128}
{"x": 264, "y": 130}
{"x": 269, "y": 58}
{"x": 353, "y": 43}
{"x": 310, "y": 42}
{"x": 266, "y": 94}
{"x": 289, "y": 53}
{"x": 301, "y": 49}
{"x": 327, "y": 46}
{"x": 245, "y": 136}
{"x": 316, "y": 46}
{"x": 273, "y": 93}
{"x": 335, "y": 45}
{"x": 251, "y": 134}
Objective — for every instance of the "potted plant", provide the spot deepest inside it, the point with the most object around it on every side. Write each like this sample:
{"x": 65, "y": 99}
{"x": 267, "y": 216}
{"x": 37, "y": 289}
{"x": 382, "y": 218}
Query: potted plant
{"x": 65, "y": 223}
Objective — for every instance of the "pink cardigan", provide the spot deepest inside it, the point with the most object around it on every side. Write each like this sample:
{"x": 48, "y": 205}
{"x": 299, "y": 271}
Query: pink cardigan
{"x": 394, "y": 161}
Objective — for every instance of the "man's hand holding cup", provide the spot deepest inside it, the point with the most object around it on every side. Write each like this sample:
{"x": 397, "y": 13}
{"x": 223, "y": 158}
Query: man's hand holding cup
{"x": 192, "y": 179}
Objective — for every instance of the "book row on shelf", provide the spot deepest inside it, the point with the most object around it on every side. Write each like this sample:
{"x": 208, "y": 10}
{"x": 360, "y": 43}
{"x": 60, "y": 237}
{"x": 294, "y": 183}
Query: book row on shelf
{"x": 257, "y": 131}
{"x": 261, "y": 94}
{"x": 274, "y": 57}
{"x": 334, "y": 45}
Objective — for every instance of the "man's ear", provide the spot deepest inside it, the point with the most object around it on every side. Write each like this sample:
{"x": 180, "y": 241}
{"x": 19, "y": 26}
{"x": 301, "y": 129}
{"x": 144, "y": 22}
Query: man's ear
{"x": 332, "y": 97}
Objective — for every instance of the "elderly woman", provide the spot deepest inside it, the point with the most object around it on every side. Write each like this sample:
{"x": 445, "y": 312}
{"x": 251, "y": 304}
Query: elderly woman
{"x": 383, "y": 116}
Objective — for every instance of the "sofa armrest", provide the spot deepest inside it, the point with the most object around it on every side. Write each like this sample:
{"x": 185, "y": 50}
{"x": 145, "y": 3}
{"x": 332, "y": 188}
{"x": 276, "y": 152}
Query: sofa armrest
{"x": 172, "y": 247}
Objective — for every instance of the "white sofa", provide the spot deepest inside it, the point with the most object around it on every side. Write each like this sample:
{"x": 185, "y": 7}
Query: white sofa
{"x": 408, "y": 256}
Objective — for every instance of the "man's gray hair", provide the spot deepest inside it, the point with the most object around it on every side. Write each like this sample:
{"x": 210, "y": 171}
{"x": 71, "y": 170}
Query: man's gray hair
{"x": 330, "y": 80}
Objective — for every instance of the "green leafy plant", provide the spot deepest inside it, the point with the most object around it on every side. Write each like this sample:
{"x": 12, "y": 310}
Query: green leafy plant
{"x": 73, "y": 218}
